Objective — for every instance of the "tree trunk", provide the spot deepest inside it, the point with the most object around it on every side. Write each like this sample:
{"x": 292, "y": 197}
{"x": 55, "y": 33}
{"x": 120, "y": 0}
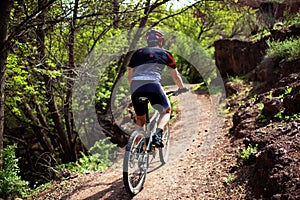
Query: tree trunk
{"x": 47, "y": 146}
{"x": 68, "y": 114}
{"x": 116, "y": 8}
{"x": 5, "y": 7}
{"x": 67, "y": 154}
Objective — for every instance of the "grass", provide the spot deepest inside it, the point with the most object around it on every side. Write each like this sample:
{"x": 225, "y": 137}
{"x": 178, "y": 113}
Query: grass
{"x": 235, "y": 79}
{"x": 229, "y": 179}
{"x": 288, "y": 49}
{"x": 248, "y": 152}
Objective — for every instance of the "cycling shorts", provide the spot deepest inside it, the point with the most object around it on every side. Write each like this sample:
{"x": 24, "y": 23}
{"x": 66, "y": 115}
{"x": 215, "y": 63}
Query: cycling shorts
{"x": 153, "y": 91}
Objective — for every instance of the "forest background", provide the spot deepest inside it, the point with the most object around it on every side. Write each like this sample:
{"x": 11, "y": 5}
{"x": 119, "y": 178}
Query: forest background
{"x": 44, "y": 46}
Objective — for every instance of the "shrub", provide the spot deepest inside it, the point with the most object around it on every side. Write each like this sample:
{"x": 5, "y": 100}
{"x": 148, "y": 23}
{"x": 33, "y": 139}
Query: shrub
{"x": 288, "y": 49}
{"x": 248, "y": 152}
{"x": 292, "y": 20}
{"x": 11, "y": 184}
{"x": 99, "y": 158}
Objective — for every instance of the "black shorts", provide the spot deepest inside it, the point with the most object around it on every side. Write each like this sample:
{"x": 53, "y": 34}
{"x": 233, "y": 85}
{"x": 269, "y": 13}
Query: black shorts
{"x": 153, "y": 91}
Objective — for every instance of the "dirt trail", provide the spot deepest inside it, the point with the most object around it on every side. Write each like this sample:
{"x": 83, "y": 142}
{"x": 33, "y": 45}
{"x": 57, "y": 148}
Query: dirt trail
{"x": 185, "y": 176}
{"x": 178, "y": 178}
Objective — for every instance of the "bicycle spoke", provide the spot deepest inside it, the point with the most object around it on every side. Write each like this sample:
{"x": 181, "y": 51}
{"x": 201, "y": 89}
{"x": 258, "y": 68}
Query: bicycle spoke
{"x": 135, "y": 163}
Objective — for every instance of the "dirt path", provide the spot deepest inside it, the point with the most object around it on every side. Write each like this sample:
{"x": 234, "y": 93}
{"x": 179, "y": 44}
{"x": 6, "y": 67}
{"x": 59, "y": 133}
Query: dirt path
{"x": 194, "y": 170}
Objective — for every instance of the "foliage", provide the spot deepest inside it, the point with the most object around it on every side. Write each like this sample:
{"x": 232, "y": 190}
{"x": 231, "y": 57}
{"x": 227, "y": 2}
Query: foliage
{"x": 105, "y": 86}
{"x": 201, "y": 86}
{"x": 99, "y": 158}
{"x": 209, "y": 21}
{"x": 287, "y": 91}
{"x": 291, "y": 20}
{"x": 260, "y": 106}
{"x": 174, "y": 110}
{"x": 235, "y": 79}
{"x": 36, "y": 190}
{"x": 248, "y": 152}
{"x": 41, "y": 71}
{"x": 288, "y": 49}
{"x": 261, "y": 117}
{"x": 229, "y": 179}
{"x": 21, "y": 84}
{"x": 205, "y": 22}
{"x": 11, "y": 184}
{"x": 280, "y": 115}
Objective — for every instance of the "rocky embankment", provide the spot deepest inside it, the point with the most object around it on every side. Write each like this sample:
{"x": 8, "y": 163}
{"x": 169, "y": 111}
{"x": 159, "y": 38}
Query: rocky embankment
{"x": 266, "y": 118}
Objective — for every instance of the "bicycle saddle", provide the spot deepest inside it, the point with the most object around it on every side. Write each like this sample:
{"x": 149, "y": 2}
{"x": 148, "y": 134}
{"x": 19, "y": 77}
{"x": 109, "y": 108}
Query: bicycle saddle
{"x": 143, "y": 99}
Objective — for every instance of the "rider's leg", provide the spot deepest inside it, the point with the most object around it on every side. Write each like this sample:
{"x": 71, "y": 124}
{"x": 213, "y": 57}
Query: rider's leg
{"x": 162, "y": 122}
{"x": 140, "y": 121}
{"x": 164, "y": 118}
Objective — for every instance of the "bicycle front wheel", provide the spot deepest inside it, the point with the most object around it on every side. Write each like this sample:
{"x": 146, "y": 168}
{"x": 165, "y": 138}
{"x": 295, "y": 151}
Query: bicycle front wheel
{"x": 135, "y": 162}
{"x": 164, "y": 152}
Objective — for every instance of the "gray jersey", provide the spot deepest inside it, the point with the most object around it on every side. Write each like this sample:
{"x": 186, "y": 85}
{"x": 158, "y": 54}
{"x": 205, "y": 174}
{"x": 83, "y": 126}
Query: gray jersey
{"x": 148, "y": 72}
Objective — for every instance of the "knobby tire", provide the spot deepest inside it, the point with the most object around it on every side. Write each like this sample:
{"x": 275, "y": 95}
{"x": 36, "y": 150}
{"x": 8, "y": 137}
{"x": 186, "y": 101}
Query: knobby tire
{"x": 164, "y": 152}
{"x": 135, "y": 157}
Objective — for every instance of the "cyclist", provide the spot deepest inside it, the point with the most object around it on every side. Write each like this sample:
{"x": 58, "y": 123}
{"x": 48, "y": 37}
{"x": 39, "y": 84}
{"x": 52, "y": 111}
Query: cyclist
{"x": 144, "y": 74}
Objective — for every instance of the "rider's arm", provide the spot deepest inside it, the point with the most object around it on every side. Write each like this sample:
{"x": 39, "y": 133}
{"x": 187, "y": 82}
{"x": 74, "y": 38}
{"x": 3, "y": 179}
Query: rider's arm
{"x": 130, "y": 71}
{"x": 176, "y": 78}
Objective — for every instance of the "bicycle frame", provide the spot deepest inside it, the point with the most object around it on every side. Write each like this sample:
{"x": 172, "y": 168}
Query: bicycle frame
{"x": 140, "y": 148}
{"x": 151, "y": 124}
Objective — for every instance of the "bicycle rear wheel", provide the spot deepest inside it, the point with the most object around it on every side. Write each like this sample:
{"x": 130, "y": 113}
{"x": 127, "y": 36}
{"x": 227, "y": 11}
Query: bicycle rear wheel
{"x": 164, "y": 152}
{"x": 135, "y": 162}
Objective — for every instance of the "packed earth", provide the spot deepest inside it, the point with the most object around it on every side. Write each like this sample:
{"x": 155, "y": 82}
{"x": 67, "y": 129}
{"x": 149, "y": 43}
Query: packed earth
{"x": 247, "y": 153}
{"x": 194, "y": 169}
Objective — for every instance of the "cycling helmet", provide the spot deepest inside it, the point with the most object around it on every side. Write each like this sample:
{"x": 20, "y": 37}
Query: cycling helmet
{"x": 155, "y": 37}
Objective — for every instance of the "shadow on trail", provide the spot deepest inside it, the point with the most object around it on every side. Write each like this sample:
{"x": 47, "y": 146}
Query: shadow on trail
{"x": 154, "y": 166}
{"x": 108, "y": 191}
{"x": 114, "y": 190}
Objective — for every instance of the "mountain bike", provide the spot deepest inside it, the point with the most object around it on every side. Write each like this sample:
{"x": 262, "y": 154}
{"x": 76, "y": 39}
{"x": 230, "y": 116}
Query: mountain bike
{"x": 139, "y": 149}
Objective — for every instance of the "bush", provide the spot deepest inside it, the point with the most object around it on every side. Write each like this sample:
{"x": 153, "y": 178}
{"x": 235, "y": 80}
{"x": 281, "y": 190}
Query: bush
{"x": 292, "y": 20}
{"x": 288, "y": 49}
{"x": 99, "y": 158}
{"x": 11, "y": 184}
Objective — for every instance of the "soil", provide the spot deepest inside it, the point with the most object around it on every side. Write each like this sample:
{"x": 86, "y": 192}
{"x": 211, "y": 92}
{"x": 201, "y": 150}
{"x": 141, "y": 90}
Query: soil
{"x": 205, "y": 161}
{"x": 270, "y": 122}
